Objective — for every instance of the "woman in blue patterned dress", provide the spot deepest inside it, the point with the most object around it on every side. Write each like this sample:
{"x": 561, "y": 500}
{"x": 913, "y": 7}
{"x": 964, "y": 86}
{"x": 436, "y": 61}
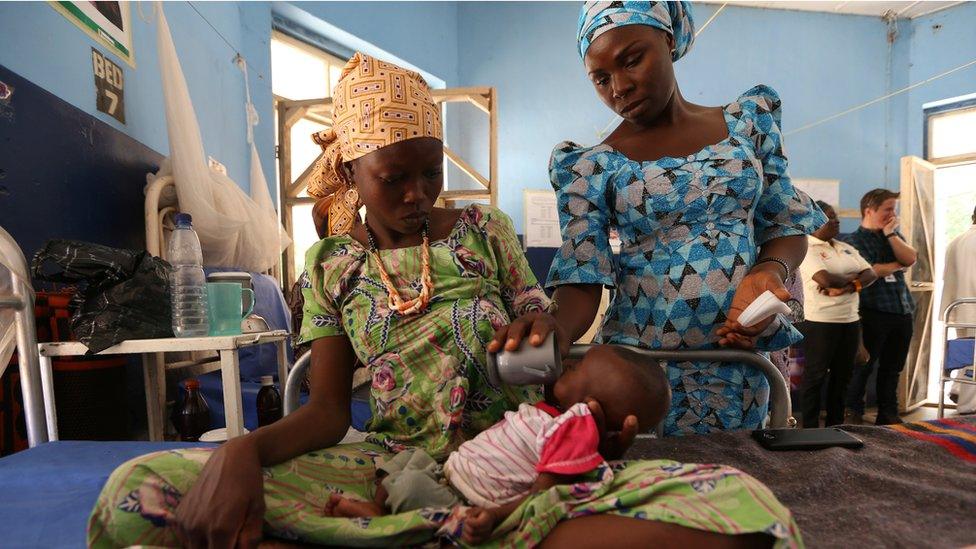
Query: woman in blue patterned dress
{"x": 707, "y": 216}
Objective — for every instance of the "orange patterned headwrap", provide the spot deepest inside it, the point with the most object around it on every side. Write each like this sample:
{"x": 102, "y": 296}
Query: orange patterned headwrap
{"x": 375, "y": 104}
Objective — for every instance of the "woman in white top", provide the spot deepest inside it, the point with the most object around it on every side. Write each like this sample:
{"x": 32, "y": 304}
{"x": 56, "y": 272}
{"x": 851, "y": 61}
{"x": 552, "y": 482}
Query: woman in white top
{"x": 833, "y": 274}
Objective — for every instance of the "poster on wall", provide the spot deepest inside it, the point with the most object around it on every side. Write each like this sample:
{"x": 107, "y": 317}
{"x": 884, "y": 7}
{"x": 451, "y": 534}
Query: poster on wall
{"x": 109, "y": 23}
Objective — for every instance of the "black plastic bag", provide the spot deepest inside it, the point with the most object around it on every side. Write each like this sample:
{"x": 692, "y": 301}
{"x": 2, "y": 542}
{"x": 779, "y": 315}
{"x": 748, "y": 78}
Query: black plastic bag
{"x": 123, "y": 294}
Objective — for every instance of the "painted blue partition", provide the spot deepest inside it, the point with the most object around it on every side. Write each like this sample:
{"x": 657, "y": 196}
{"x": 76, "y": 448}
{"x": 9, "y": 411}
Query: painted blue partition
{"x": 66, "y": 174}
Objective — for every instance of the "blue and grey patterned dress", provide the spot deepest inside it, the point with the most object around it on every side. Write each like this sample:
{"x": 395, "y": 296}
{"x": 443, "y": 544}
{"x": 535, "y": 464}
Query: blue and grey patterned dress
{"x": 690, "y": 228}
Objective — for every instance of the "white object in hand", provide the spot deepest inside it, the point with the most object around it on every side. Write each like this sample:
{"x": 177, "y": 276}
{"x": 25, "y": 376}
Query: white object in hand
{"x": 766, "y": 305}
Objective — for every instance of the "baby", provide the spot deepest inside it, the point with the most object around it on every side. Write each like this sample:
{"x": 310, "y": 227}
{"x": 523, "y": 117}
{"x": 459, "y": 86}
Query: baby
{"x": 530, "y": 450}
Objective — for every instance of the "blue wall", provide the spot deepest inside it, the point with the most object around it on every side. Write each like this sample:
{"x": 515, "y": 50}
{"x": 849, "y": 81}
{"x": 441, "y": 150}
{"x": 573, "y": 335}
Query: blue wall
{"x": 65, "y": 174}
{"x": 820, "y": 64}
{"x": 424, "y": 34}
{"x": 44, "y": 47}
{"x": 939, "y": 42}
{"x": 897, "y": 73}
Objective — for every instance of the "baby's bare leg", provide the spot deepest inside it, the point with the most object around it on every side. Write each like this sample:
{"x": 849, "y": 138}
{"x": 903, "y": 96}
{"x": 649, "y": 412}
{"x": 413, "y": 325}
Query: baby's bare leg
{"x": 340, "y": 506}
{"x": 478, "y": 525}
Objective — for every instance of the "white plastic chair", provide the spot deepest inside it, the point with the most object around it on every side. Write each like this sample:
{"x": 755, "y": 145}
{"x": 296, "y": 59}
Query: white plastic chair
{"x": 17, "y": 330}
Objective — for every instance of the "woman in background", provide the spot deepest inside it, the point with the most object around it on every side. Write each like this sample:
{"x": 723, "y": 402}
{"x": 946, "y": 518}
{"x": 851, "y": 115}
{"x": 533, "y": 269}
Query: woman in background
{"x": 833, "y": 275}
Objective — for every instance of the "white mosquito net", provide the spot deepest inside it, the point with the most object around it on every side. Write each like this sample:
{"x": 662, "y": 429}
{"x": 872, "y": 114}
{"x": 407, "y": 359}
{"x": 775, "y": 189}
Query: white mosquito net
{"x": 235, "y": 230}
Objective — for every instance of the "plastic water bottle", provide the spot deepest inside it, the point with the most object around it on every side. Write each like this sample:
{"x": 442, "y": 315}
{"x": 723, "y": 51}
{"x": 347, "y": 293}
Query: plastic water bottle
{"x": 188, "y": 284}
{"x": 269, "y": 402}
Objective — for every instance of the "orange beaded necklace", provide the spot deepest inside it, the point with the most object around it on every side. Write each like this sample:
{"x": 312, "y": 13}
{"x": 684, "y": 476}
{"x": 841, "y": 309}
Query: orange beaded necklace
{"x": 397, "y": 303}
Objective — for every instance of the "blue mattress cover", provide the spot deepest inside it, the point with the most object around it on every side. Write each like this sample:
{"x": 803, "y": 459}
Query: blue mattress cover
{"x": 47, "y": 492}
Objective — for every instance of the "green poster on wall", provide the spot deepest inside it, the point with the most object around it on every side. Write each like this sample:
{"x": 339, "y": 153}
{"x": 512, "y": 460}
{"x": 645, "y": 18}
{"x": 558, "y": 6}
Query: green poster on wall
{"x": 106, "y": 22}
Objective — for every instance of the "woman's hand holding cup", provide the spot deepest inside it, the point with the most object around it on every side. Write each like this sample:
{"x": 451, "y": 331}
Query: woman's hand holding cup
{"x": 535, "y": 327}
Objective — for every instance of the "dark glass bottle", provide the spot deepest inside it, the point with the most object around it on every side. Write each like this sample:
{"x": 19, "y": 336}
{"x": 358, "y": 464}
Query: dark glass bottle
{"x": 269, "y": 402}
{"x": 194, "y": 417}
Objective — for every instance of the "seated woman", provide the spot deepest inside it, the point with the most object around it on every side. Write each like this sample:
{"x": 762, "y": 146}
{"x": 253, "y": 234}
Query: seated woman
{"x": 415, "y": 294}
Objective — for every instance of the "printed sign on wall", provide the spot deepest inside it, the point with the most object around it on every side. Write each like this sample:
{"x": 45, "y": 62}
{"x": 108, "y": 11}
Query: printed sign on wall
{"x": 827, "y": 190}
{"x": 109, "y": 83}
{"x": 541, "y": 219}
{"x": 105, "y": 21}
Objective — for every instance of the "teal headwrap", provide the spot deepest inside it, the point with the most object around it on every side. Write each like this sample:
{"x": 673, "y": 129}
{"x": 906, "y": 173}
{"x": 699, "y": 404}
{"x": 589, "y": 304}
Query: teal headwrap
{"x": 674, "y": 18}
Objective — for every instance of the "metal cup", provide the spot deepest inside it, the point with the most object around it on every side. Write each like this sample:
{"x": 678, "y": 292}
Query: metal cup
{"x": 530, "y": 365}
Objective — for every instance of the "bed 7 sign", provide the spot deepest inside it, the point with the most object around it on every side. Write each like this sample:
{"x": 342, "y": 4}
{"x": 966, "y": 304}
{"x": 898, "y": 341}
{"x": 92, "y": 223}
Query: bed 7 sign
{"x": 108, "y": 85}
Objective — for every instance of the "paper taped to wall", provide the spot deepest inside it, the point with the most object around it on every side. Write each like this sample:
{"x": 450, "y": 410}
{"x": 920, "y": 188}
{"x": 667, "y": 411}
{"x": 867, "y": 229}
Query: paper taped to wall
{"x": 827, "y": 190}
{"x": 541, "y": 219}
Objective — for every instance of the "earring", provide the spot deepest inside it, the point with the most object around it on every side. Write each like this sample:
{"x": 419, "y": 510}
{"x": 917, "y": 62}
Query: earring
{"x": 352, "y": 197}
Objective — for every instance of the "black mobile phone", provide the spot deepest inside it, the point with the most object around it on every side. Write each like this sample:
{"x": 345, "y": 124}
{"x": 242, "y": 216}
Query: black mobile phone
{"x": 805, "y": 439}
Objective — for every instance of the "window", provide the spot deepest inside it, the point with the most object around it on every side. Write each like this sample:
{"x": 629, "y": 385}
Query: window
{"x": 300, "y": 71}
{"x": 950, "y": 131}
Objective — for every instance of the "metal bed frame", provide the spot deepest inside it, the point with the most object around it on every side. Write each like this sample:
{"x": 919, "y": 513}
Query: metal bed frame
{"x": 946, "y": 324}
{"x": 37, "y": 388}
{"x": 160, "y": 201}
{"x": 780, "y": 407}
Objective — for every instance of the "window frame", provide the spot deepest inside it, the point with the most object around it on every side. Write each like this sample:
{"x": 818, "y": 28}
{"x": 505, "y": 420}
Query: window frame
{"x": 930, "y": 115}
{"x": 287, "y": 204}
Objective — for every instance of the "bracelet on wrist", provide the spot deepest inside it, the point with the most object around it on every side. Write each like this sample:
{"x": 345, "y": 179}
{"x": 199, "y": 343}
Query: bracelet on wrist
{"x": 891, "y": 235}
{"x": 780, "y": 262}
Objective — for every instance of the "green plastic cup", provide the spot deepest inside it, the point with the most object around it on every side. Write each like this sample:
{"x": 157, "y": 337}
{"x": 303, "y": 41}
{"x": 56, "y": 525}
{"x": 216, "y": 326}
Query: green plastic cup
{"x": 225, "y": 307}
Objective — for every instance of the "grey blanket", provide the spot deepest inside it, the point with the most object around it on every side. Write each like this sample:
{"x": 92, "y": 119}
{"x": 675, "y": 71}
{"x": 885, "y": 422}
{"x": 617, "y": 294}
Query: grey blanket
{"x": 896, "y": 491}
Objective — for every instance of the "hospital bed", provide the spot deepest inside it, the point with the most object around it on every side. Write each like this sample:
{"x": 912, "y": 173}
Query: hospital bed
{"x": 908, "y": 486}
{"x": 160, "y": 201}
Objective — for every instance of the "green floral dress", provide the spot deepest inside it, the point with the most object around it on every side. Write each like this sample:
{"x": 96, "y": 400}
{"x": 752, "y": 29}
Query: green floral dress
{"x": 430, "y": 387}
{"x": 429, "y": 390}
